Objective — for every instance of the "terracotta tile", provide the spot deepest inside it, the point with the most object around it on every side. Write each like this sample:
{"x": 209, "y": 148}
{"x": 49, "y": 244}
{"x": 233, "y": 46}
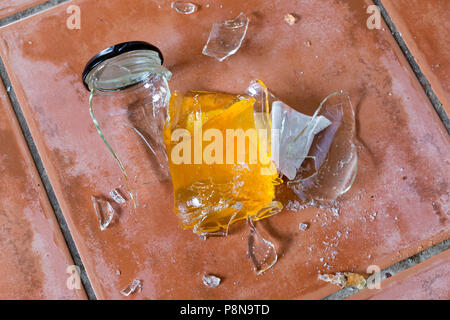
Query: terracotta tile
{"x": 424, "y": 26}
{"x": 10, "y": 7}
{"x": 404, "y": 148}
{"x": 33, "y": 252}
{"x": 429, "y": 280}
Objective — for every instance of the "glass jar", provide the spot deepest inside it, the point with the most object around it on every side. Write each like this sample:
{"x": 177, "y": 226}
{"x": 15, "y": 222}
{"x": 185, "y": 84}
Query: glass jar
{"x": 129, "y": 93}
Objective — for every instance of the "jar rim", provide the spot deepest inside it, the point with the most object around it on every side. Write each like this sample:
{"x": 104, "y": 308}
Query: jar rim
{"x": 114, "y": 51}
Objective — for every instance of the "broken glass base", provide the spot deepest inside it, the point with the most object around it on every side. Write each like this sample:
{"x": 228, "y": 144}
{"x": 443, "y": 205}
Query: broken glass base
{"x": 226, "y": 37}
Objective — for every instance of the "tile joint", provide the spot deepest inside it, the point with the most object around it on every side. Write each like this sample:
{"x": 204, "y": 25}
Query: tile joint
{"x": 437, "y": 105}
{"x": 30, "y": 11}
{"x": 396, "y": 268}
{"x": 46, "y": 181}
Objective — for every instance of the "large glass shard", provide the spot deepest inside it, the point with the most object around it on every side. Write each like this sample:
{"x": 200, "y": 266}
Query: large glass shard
{"x": 184, "y": 7}
{"x": 333, "y": 168}
{"x": 211, "y": 281}
{"x": 260, "y": 251}
{"x": 133, "y": 287}
{"x": 217, "y": 181}
{"x": 104, "y": 211}
{"x": 226, "y": 37}
{"x": 296, "y": 135}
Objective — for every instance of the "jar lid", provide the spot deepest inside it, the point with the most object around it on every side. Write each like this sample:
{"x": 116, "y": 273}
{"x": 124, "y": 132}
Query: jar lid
{"x": 115, "y": 51}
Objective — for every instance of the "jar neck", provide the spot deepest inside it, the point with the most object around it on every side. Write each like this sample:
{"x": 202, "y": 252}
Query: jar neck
{"x": 126, "y": 70}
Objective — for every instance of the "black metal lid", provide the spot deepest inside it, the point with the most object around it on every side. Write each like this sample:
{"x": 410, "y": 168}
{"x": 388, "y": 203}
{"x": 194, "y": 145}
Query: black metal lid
{"x": 116, "y": 50}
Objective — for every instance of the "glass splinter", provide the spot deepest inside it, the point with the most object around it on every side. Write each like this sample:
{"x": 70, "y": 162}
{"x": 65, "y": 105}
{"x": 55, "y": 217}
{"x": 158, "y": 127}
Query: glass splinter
{"x": 211, "y": 281}
{"x": 132, "y": 288}
{"x": 184, "y": 7}
{"x": 116, "y": 196}
{"x": 226, "y": 37}
{"x": 104, "y": 211}
{"x": 261, "y": 251}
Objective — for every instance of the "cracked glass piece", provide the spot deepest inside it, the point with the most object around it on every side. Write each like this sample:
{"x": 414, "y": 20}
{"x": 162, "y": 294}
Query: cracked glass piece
{"x": 226, "y": 37}
{"x": 117, "y": 196}
{"x": 211, "y": 281}
{"x": 133, "y": 287}
{"x": 345, "y": 279}
{"x": 260, "y": 251}
{"x": 296, "y": 135}
{"x": 212, "y": 194}
{"x": 184, "y": 7}
{"x": 331, "y": 166}
{"x": 104, "y": 211}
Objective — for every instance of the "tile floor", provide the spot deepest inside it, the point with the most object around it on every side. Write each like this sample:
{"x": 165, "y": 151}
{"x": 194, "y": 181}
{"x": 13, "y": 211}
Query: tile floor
{"x": 423, "y": 25}
{"x": 403, "y": 146}
{"x": 34, "y": 257}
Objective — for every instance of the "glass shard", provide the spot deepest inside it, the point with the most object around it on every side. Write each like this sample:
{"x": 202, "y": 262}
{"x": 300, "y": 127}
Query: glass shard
{"x": 296, "y": 133}
{"x": 135, "y": 286}
{"x": 226, "y": 37}
{"x": 104, "y": 211}
{"x": 334, "y": 156}
{"x": 211, "y": 281}
{"x": 345, "y": 279}
{"x": 117, "y": 196}
{"x": 290, "y": 19}
{"x": 303, "y": 226}
{"x": 184, "y": 7}
{"x": 260, "y": 251}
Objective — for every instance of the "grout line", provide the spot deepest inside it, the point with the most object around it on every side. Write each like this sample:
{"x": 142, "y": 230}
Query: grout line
{"x": 28, "y": 12}
{"x": 415, "y": 67}
{"x": 46, "y": 182}
{"x": 396, "y": 268}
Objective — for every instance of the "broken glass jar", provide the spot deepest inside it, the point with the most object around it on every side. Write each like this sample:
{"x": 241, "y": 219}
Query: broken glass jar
{"x": 129, "y": 93}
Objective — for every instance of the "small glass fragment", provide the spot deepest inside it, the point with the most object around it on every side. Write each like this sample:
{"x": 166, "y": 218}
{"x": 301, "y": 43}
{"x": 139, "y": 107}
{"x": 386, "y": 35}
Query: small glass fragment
{"x": 104, "y": 211}
{"x": 226, "y": 38}
{"x": 290, "y": 19}
{"x": 135, "y": 286}
{"x": 345, "y": 279}
{"x": 116, "y": 196}
{"x": 184, "y": 7}
{"x": 260, "y": 251}
{"x": 303, "y": 226}
{"x": 211, "y": 281}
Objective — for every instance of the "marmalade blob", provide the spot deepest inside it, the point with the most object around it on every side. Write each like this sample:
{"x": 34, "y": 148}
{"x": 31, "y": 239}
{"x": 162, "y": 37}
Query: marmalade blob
{"x": 219, "y": 162}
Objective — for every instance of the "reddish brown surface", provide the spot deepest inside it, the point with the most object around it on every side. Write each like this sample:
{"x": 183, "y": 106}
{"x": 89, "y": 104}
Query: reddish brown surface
{"x": 9, "y": 7}
{"x": 425, "y": 26}
{"x": 403, "y": 147}
{"x": 429, "y": 280}
{"x": 33, "y": 254}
